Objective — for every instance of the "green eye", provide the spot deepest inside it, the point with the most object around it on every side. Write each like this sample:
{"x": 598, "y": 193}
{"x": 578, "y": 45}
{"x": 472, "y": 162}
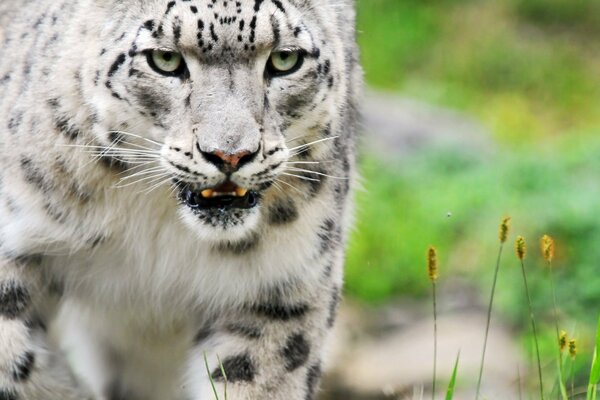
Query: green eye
{"x": 284, "y": 62}
{"x": 166, "y": 62}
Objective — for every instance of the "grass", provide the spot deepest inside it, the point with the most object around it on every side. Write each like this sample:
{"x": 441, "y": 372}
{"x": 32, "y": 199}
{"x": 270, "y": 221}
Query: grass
{"x": 560, "y": 344}
{"x": 527, "y": 69}
{"x": 405, "y": 206}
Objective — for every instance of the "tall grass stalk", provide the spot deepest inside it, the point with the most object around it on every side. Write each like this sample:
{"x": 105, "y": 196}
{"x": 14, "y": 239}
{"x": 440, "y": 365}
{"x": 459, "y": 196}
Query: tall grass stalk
{"x": 595, "y": 369}
{"x": 210, "y": 378}
{"x": 432, "y": 272}
{"x": 547, "y": 250}
{"x": 504, "y": 227}
{"x": 452, "y": 384}
{"x": 521, "y": 251}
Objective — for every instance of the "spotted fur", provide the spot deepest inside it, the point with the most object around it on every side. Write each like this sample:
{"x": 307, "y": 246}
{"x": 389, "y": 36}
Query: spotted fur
{"x": 102, "y": 242}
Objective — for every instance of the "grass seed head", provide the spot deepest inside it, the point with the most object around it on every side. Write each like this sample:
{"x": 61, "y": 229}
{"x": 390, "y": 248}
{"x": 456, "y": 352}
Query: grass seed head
{"x": 572, "y": 348}
{"x": 562, "y": 340}
{"x": 432, "y": 269}
{"x": 547, "y": 246}
{"x": 504, "y": 227}
{"x": 520, "y": 247}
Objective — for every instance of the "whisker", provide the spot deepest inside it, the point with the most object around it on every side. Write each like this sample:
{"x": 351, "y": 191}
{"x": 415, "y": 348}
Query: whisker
{"x": 301, "y": 177}
{"x": 316, "y": 173}
{"x": 314, "y": 142}
{"x": 159, "y": 184}
{"x": 148, "y": 181}
{"x": 290, "y": 185}
{"x": 137, "y": 165}
{"x": 137, "y": 136}
{"x": 143, "y": 172}
{"x": 297, "y": 153}
{"x": 129, "y": 151}
{"x": 302, "y": 162}
{"x": 143, "y": 179}
{"x": 295, "y": 138}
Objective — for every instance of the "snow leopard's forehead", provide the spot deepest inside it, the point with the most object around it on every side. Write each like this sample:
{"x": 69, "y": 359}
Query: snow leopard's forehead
{"x": 225, "y": 30}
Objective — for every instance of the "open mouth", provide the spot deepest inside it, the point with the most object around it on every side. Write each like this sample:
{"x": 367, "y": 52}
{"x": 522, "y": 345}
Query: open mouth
{"x": 225, "y": 196}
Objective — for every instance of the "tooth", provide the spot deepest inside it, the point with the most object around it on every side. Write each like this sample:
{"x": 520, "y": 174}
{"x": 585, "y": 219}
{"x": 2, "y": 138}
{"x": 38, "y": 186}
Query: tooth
{"x": 241, "y": 192}
{"x": 207, "y": 193}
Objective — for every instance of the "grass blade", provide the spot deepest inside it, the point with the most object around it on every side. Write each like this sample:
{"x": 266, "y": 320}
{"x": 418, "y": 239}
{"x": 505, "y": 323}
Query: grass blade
{"x": 561, "y": 382}
{"x": 595, "y": 369}
{"x": 212, "y": 383}
{"x": 224, "y": 377}
{"x": 452, "y": 384}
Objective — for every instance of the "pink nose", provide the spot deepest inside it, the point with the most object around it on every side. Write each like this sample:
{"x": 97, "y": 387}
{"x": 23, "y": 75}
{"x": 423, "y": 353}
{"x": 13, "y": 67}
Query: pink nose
{"x": 232, "y": 159}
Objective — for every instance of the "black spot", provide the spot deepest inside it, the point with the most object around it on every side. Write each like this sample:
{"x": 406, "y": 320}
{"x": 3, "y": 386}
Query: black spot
{"x": 116, "y": 391}
{"x": 237, "y": 368}
{"x": 278, "y": 5}
{"x": 27, "y": 259}
{"x": 257, "y": 4}
{"x": 22, "y": 368}
{"x": 295, "y": 352}
{"x": 333, "y": 306}
{"x": 6, "y": 394}
{"x": 250, "y": 332}
{"x": 116, "y": 64}
{"x": 64, "y": 126}
{"x": 240, "y": 247}
{"x": 328, "y": 270}
{"x": 36, "y": 323}
{"x": 329, "y": 235}
{"x": 283, "y": 212}
{"x": 113, "y": 164}
{"x": 34, "y": 176}
{"x": 203, "y": 333}
{"x": 169, "y": 6}
{"x": 177, "y": 29}
{"x": 213, "y": 34}
{"x": 56, "y": 287}
{"x": 15, "y": 122}
{"x": 14, "y": 299}
{"x": 149, "y": 24}
{"x": 280, "y": 311}
{"x": 312, "y": 381}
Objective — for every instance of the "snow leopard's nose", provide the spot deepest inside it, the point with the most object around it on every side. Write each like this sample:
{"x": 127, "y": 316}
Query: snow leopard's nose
{"x": 228, "y": 163}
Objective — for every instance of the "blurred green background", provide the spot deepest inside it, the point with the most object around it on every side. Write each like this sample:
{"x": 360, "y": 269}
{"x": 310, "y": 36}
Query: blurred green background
{"x": 529, "y": 72}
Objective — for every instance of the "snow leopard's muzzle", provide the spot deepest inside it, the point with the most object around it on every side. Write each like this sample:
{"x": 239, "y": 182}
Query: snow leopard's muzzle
{"x": 227, "y": 194}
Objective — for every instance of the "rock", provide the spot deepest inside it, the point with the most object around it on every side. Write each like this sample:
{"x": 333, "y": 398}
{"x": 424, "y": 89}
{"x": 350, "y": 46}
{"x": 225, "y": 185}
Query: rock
{"x": 400, "y": 362}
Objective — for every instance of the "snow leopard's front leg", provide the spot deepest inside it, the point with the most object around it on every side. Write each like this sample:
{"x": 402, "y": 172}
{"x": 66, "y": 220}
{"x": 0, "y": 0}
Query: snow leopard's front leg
{"x": 28, "y": 369}
{"x": 271, "y": 349}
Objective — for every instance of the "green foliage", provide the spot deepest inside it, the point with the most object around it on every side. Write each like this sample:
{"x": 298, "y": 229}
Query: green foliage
{"x": 404, "y": 208}
{"x": 501, "y": 60}
{"x": 528, "y": 70}
{"x": 564, "y": 15}
{"x": 452, "y": 384}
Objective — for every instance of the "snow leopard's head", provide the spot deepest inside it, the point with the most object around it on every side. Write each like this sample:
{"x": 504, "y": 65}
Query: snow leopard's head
{"x": 237, "y": 104}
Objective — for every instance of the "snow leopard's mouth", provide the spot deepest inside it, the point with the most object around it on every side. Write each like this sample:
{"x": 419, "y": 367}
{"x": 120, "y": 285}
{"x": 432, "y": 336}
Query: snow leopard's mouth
{"x": 224, "y": 196}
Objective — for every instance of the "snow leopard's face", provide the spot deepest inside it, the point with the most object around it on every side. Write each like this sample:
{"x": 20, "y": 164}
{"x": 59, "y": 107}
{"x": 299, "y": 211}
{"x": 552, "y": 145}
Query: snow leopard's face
{"x": 223, "y": 95}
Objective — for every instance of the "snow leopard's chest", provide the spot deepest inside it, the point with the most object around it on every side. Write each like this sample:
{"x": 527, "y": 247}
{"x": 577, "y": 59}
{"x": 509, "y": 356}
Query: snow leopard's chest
{"x": 151, "y": 267}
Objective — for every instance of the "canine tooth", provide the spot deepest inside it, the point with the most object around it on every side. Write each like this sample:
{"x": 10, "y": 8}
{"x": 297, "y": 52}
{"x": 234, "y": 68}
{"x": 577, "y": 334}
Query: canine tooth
{"x": 241, "y": 192}
{"x": 208, "y": 193}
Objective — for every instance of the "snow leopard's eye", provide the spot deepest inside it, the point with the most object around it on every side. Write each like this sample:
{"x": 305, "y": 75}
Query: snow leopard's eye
{"x": 284, "y": 62}
{"x": 166, "y": 62}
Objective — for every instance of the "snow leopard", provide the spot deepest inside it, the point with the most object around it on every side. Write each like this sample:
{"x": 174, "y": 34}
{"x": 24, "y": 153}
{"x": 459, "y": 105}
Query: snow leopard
{"x": 176, "y": 182}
